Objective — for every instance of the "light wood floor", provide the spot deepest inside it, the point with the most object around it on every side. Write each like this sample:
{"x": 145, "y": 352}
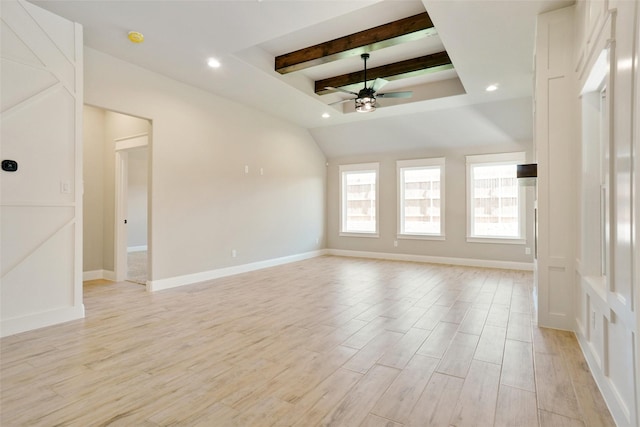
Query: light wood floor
{"x": 328, "y": 341}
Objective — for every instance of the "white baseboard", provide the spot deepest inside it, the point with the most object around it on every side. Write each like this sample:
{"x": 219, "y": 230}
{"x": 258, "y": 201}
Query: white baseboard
{"x": 98, "y": 274}
{"x": 189, "y": 279}
{"x": 137, "y": 248}
{"x": 469, "y": 262}
{"x": 109, "y": 275}
{"x": 40, "y": 320}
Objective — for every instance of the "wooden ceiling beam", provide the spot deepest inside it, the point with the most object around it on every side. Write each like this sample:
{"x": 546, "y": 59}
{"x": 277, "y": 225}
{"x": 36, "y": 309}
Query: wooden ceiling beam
{"x": 398, "y": 70}
{"x": 391, "y": 34}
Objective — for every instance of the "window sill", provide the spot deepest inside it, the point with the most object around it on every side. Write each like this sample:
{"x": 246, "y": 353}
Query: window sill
{"x": 497, "y": 240}
{"x": 421, "y": 236}
{"x": 356, "y": 234}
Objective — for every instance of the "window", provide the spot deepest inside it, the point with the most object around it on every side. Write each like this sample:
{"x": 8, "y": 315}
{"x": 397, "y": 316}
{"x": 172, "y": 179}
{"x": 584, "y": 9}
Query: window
{"x": 359, "y": 199}
{"x": 495, "y": 208}
{"x": 421, "y": 198}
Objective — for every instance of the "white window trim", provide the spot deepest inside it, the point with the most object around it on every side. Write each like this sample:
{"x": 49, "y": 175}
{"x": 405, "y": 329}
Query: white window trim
{"x": 497, "y": 159}
{"x": 374, "y": 167}
{"x": 418, "y": 164}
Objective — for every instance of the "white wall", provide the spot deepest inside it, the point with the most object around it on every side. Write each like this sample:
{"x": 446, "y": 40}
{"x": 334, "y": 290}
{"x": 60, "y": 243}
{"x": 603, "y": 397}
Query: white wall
{"x": 41, "y": 209}
{"x": 203, "y": 204}
{"x": 455, "y": 245}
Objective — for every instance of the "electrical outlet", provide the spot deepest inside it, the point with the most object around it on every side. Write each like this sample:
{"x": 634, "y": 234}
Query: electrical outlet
{"x": 234, "y": 253}
{"x": 395, "y": 243}
{"x": 527, "y": 251}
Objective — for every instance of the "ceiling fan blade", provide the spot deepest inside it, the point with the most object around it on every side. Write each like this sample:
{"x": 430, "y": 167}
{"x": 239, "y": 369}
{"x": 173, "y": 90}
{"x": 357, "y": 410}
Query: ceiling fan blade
{"x": 340, "y": 102}
{"x": 341, "y": 90}
{"x": 395, "y": 95}
{"x": 378, "y": 83}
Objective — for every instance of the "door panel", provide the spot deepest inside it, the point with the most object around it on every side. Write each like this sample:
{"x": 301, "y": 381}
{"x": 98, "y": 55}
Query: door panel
{"x": 41, "y": 202}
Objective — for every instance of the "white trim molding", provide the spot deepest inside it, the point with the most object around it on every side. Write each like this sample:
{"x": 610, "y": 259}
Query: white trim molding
{"x": 130, "y": 142}
{"x": 40, "y": 320}
{"x": 98, "y": 275}
{"x": 141, "y": 248}
{"x": 344, "y": 171}
{"x": 468, "y": 262}
{"x": 190, "y": 279}
{"x": 499, "y": 159}
{"x": 402, "y": 166}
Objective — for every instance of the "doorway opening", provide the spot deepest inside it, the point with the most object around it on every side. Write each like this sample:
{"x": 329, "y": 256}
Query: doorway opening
{"x": 116, "y": 196}
{"x": 131, "y": 246}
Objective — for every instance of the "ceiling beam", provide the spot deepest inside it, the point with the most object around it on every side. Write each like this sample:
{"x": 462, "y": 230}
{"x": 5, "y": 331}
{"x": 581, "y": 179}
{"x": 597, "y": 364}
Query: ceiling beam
{"x": 391, "y": 34}
{"x": 398, "y": 70}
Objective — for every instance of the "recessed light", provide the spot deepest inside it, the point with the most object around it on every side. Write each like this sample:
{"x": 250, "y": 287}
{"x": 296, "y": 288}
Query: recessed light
{"x": 135, "y": 37}
{"x": 492, "y": 88}
{"x": 326, "y": 115}
{"x": 213, "y": 63}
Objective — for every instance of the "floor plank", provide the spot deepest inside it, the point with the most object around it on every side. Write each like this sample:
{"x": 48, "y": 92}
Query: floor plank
{"x": 491, "y": 345}
{"x": 401, "y": 352}
{"x": 549, "y": 419}
{"x": 431, "y": 318}
{"x": 457, "y": 359}
{"x": 517, "y": 365}
{"x": 356, "y": 405}
{"x": 477, "y": 401}
{"x": 594, "y": 409}
{"x": 398, "y": 401}
{"x": 516, "y": 408}
{"x": 317, "y": 403}
{"x": 554, "y": 387}
{"x": 473, "y": 323}
{"x": 519, "y": 327}
{"x": 435, "y": 406}
{"x": 438, "y": 341}
{"x": 498, "y": 315}
{"x": 376, "y": 421}
{"x": 365, "y": 358}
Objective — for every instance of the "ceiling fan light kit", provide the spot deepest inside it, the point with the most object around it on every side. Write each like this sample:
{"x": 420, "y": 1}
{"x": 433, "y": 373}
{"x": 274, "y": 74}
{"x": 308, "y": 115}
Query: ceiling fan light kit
{"x": 365, "y": 105}
{"x": 365, "y": 100}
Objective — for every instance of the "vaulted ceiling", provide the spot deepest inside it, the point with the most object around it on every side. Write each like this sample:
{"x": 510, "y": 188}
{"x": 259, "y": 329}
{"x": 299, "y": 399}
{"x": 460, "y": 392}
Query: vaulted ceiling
{"x": 394, "y": 34}
{"x": 405, "y": 49}
{"x": 471, "y": 44}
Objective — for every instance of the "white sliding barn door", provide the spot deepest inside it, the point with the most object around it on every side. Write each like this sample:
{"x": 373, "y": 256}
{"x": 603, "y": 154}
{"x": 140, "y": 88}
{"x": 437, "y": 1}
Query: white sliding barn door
{"x": 41, "y": 202}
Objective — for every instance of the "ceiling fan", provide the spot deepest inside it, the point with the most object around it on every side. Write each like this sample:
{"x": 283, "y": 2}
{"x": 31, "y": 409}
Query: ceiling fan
{"x": 366, "y": 98}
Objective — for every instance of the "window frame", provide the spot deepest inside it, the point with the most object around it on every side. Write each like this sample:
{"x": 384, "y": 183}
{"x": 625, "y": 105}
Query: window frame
{"x": 429, "y": 163}
{"x": 514, "y": 158}
{"x": 358, "y": 167}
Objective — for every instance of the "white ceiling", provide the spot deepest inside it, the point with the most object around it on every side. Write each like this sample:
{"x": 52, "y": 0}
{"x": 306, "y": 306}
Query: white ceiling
{"x": 488, "y": 42}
